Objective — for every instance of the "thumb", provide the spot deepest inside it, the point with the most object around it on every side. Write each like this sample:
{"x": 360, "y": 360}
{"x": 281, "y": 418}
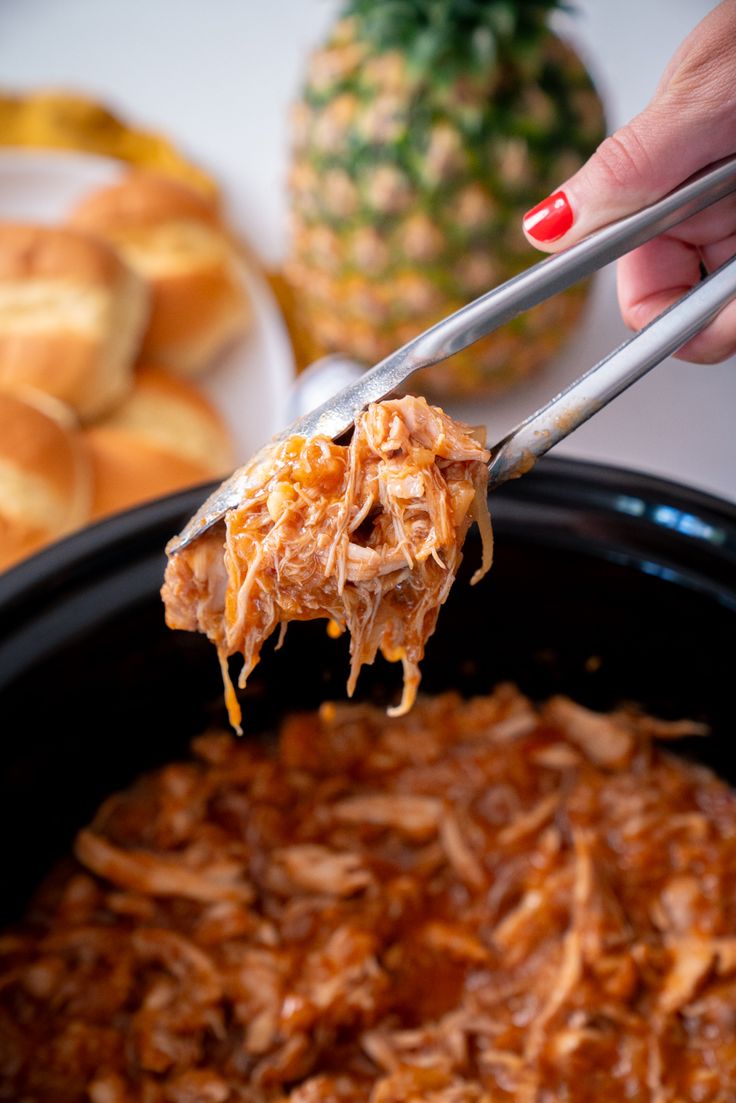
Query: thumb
{"x": 688, "y": 124}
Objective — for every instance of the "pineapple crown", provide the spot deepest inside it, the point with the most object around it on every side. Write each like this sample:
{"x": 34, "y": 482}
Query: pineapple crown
{"x": 456, "y": 34}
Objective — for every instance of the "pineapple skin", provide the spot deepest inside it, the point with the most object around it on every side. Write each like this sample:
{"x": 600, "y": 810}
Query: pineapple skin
{"x": 407, "y": 192}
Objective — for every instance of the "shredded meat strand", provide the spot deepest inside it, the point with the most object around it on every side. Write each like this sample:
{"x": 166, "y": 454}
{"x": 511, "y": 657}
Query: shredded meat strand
{"x": 368, "y": 536}
{"x": 481, "y": 902}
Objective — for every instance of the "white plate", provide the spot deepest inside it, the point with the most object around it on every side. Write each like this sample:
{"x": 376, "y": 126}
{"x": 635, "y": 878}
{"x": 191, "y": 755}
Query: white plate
{"x": 250, "y": 383}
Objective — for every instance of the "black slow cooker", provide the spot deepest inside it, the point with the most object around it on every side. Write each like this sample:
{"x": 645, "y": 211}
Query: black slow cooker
{"x": 607, "y": 585}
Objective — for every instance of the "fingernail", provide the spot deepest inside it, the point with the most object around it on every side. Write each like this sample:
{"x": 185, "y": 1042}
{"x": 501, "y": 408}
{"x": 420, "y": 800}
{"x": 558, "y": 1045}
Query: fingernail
{"x": 550, "y": 219}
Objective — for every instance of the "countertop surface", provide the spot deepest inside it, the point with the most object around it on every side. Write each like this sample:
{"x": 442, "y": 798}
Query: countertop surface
{"x": 218, "y": 78}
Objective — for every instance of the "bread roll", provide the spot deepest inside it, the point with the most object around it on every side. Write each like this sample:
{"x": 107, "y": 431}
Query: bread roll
{"x": 164, "y": 437}
{"x": 72, "y": 316}
{"x": 174, "y": 239}
{"x": 44, "y": 474}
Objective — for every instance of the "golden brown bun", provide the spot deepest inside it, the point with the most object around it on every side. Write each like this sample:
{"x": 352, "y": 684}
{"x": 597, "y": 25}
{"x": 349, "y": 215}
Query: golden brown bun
{"x": 143, "y": 199}
{"x": 174, "y": 239}
{"x": 50, "y": 252}
{"x": 173, "y": 414}
{"x": 44, "y": 474}
{"x": 164, "y": 437}
{"x": 127, "y": 472}
{"x": 72, "y": 315}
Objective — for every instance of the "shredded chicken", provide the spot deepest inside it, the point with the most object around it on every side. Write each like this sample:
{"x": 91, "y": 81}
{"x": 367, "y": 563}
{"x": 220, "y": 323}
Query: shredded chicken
{"x": 141, "y": 872}
{"x": 418, "y": 910}
{"x": 367, "y": 535}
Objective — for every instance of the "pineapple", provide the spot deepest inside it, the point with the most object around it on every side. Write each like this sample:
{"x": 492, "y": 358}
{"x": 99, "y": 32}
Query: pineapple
{"x": 425, "y": 131}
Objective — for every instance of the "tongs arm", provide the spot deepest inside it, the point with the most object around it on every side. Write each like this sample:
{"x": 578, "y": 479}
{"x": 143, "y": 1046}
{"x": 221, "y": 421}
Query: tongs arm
{"x": 519, "y": 450}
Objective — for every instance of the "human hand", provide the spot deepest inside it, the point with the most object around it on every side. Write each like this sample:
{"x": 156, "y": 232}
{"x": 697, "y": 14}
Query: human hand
{"x": 690, "y": 122}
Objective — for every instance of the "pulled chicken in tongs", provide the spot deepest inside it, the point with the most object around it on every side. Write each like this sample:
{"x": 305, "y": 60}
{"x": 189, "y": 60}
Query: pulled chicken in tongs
{"x": 368, "y": 535}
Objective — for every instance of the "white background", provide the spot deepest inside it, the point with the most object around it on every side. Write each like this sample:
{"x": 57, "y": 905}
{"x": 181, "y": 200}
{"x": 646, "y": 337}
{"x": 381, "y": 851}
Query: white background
{"x": 218, "y": 76}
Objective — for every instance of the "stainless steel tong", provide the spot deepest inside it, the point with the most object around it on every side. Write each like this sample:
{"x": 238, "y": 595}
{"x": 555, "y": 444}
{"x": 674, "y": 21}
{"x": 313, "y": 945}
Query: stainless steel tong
{"x": 519, "y": 450}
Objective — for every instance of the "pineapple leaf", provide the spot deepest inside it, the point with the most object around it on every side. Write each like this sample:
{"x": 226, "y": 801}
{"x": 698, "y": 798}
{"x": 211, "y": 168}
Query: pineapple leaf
{"x": 451, "y": 35}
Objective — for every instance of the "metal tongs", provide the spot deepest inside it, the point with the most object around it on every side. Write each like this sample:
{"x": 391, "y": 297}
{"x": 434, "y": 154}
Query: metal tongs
{"x": 517, "y": 452}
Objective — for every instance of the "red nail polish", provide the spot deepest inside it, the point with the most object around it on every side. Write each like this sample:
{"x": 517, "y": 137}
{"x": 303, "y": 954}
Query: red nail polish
{"x": 550, "y": 219}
